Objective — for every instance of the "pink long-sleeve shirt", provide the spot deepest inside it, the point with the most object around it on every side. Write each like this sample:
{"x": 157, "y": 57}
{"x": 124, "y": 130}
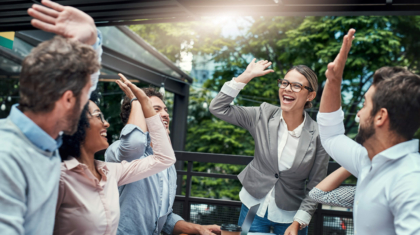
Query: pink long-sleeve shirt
{"x": 89, "y": 206}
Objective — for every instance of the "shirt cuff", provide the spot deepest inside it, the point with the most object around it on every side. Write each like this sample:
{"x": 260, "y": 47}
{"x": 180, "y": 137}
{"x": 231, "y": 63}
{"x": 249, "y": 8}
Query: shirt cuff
{"x": 232, "y": 88}
{"x": 303, "y": 218}
{"x": 330, "y": 119}
{"x": 128, "y": 128}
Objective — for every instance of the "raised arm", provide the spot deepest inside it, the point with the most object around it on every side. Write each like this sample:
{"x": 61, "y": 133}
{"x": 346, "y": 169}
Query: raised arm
{"x": 134, "y": 137}
{"x": 221, "y": 106}
{"x": 71, "y": 23}
{"x": 330, "y": 117}
{"x": 163, "y": 156}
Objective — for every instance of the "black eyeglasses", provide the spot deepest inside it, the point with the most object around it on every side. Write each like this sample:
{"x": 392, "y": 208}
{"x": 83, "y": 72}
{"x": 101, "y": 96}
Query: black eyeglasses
{"x": 100, "y": 116}
{"x": 295, "y": 86}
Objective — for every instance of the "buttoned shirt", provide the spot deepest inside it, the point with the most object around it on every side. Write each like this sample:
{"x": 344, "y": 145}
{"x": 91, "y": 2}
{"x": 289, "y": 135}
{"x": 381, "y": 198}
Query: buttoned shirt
{"x": 30, "y": 171}
{"x": 90, "y": 206}
{"x": 387, "y": 197}
{"x": 146, "y": 205}
{"x": 287, "y": 145}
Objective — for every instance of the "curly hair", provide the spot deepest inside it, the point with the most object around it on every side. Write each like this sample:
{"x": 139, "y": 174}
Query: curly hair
{"x": 72, "y": 144}
{"x": 126, "y": 105}
{"x": 52, "y": 68}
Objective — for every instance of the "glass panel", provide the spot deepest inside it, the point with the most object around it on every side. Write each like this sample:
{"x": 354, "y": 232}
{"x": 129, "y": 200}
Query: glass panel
{"x": 118, "y": 41}
{"x": 214, "y": 214}
{"x": 8, "y": 66}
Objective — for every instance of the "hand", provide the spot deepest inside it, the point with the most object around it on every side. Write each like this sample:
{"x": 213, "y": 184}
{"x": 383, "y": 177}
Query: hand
{"x": 66, "y": 21}
{"x": 254, "y": 70}
{"x": 293, "y": 229}
{"x": 209, "y": 230}
{"x": 124, "y": 87}
{"x": 335, "y": 69}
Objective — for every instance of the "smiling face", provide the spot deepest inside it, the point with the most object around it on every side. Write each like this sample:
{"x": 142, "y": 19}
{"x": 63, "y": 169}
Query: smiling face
{"x": 290, "y": 100}
{"x": 96, "y": 133}
{"x": 161, "y": 108}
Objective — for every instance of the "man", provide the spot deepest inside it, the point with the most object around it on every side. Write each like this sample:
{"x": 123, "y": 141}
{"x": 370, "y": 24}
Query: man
{"x": 55, "y": 83}
{"x": 146, "y": 205}
{"x": 386, "y": 159}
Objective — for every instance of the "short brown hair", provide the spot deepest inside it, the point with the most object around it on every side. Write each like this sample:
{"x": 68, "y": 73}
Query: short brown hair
{"x": 53, "y": 67}
{"x": 126, "y": 105}
{"x": 310, "y": 75}
{"x": 398, "y": 91}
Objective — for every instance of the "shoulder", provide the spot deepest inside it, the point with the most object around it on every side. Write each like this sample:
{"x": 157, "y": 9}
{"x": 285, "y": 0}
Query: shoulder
{"x": 269, "y": 109}
{"x": 110, "y": 153}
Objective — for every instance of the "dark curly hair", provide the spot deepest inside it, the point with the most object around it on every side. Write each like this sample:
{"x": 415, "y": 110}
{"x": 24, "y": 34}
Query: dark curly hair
{"x": 126, "y": 105}
{"x": 72, "y": 143}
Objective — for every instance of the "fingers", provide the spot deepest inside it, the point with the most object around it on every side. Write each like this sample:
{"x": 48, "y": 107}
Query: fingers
{"x": 45, "y": 10}
{"x": 53, "y": 5}
{"x": 41, "y": 16}
{"x": 122, "y": 77}
{"x": 123, "y": 86}
{"x": 253, "y": 61}
{"x": 44, "y": 26}
{"x": 268, "y": 71}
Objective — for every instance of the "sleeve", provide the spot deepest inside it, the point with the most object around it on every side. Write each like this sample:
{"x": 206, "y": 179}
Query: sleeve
{"x": 237, "y": 115}
{"x": 13, "y": 199}
{"x": 61, "y": 193}
{"x": 316, "y": 175}
{"x": 132, "y": 145}
{"x": 163, "y": 157}
{"x": 342, "y": 196}
{"x": 98, "y": 48}
{"x": 341, "y": 148}
{"x": 169, "y": 225}
{"x": 405, "y": 204}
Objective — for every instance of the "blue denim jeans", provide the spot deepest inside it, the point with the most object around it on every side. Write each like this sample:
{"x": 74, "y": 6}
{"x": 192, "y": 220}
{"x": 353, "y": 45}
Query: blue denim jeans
{"x": 263, "y": 225}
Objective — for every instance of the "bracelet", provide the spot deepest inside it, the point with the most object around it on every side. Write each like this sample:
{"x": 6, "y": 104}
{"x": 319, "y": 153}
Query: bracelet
{"x": 133, "y": 100}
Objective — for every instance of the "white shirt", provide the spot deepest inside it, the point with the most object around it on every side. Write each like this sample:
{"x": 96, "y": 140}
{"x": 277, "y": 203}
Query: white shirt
{"x": 287, "y": 146}
{"x": 387, "y": 197}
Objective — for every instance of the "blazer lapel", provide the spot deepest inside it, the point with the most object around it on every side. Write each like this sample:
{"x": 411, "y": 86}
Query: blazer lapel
{"x": 273, "y": 129}
{"x": 304, "y": 142}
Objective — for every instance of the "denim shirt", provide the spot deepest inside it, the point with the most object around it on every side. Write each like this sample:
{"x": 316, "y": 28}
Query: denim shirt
{"x": 141, "y": 201}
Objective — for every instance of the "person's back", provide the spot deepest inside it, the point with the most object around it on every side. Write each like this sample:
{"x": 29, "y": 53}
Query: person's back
{"x": 28, "y": 174}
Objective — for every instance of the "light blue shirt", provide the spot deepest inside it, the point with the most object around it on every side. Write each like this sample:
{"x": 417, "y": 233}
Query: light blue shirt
{"x": 142, "y": 202}
{"x": 387, "y": 199}
{"x": 30, "y": 171}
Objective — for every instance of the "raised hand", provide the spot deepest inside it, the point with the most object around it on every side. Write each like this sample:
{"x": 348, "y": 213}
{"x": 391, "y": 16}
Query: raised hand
{"x": 255, "y": 69}
{"x": 124, "y": 87}
{"x": 336, "y": 68}
{"x": 145, "y": 102}
{"x": 66, "y": 21}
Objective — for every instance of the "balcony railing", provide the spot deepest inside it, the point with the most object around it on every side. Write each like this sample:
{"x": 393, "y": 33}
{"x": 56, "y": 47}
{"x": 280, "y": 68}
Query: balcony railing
{"x": 218, "y": 211}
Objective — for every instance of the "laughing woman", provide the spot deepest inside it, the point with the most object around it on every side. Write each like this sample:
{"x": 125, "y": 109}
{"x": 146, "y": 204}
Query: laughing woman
{"x": 88, "y": 201}
{"x": 289, "y": 159}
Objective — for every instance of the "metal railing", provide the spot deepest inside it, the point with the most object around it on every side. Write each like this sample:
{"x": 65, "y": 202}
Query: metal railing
{"x": 323, "y": 222}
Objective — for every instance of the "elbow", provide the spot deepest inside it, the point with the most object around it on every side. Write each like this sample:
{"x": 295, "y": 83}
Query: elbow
{"x": 212, "y": 107}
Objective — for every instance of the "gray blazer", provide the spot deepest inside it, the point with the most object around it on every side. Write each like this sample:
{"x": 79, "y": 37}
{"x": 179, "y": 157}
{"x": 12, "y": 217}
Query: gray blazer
{"x": 292, "y": 186}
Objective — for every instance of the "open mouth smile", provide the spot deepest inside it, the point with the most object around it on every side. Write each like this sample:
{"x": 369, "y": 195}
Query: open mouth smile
{"x": 103, "y": 133}
{"x": 287, "y": 99}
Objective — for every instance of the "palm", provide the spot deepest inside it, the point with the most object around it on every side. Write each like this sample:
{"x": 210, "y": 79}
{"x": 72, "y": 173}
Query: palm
{"x": 336, "y": 69}
{"x": 253, "y": 70}
{"x": 66, "y": 21}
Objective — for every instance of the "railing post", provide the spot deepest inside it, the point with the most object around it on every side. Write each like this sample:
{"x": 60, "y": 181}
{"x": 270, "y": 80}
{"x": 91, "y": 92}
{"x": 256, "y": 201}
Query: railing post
{"x": 187, "y": 206}
{"x": 319, "y": 222}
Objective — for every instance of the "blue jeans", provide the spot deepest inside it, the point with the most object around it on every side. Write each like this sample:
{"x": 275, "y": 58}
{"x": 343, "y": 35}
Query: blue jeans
{"x": 263, "y": 225}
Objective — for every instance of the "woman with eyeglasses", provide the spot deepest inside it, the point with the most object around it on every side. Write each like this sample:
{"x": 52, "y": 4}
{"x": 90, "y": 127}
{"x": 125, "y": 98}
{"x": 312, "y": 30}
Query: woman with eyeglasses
{"x": 88, "y": 201}
{"x": 289, "y": 159}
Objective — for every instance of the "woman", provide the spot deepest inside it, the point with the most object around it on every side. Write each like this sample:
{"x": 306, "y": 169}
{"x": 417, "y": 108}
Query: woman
{"x": 288, "y": 150}
{"x": 329, "y": 191}
{"x": 88, "y": 201}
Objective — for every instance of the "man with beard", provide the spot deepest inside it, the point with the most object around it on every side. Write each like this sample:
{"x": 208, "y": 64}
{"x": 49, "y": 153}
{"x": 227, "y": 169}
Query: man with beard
{"x": 386, "y": 159}
{"x": 55, "y": 82}
{"x": 146, "y": 205}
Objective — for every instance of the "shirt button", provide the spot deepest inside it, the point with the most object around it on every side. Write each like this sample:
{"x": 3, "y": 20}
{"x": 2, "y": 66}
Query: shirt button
{"x": 276, "y": 175}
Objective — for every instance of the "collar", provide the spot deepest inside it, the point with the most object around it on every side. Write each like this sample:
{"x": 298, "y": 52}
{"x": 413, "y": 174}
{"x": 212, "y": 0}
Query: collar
{"x": 33, "y": 132}
{"x": 298, "y": 130}
{"x": 400, "y": 150}
{"x": 73, "y": 163}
